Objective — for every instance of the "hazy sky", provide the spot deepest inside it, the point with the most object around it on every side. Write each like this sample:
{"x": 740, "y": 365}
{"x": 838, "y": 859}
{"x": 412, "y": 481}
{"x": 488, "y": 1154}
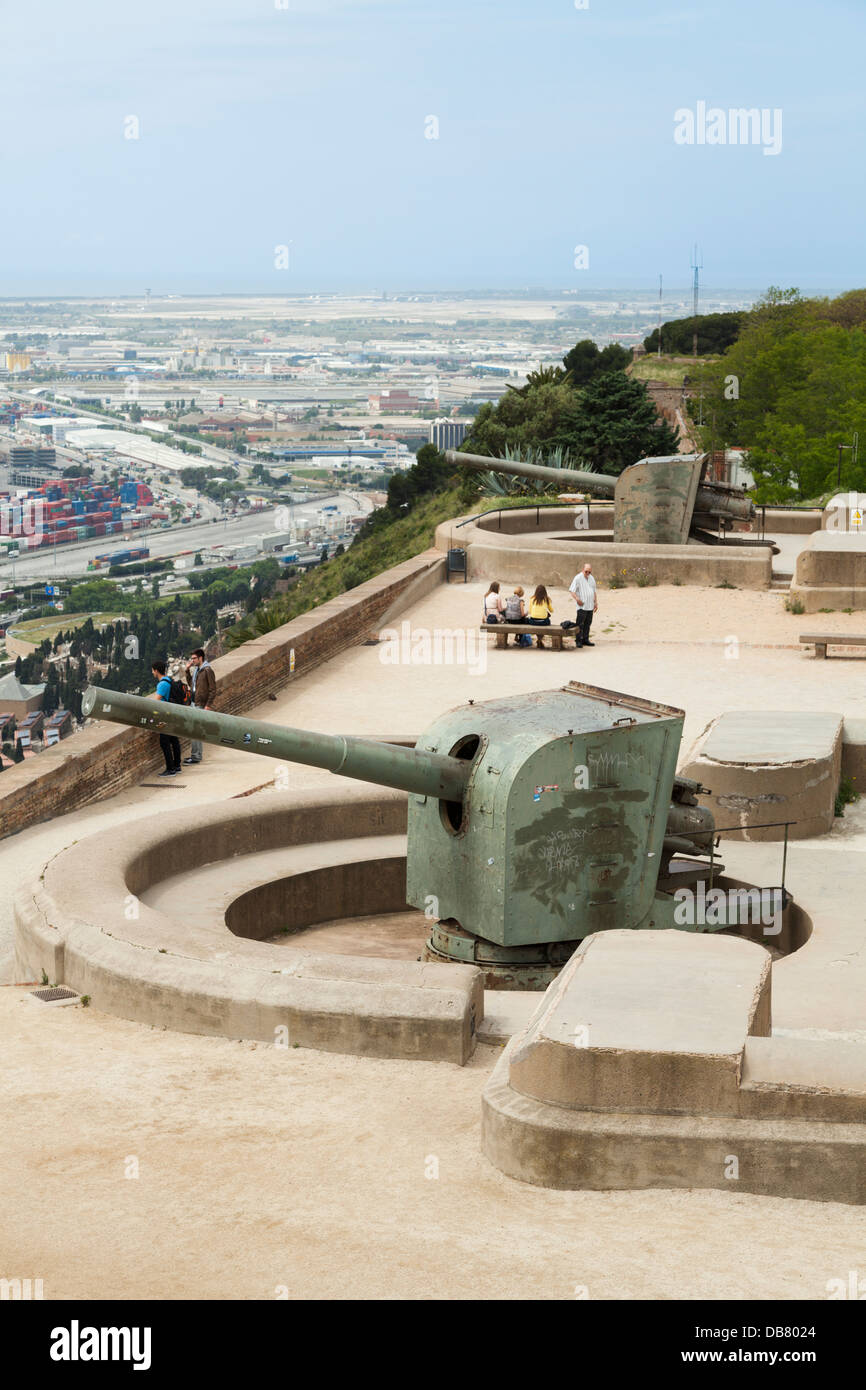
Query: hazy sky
{"x": 306, "y": 127}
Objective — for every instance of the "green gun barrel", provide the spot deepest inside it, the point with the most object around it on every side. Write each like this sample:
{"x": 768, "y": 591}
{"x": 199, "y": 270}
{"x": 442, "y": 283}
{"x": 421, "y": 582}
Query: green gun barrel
{"x": 427, "y": 774}
{"x": 661, "y": 480}
{"x": 601, "y": 483}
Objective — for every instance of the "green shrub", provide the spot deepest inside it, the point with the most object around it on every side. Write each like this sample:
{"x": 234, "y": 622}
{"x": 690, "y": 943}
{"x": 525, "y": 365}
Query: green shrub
{"x": 846, "y": 795}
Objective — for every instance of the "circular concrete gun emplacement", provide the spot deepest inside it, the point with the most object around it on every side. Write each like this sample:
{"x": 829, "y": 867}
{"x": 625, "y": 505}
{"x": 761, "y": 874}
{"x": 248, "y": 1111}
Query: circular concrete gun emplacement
{"x": 670, "y": 521}
{"x": 178, "y": 965}
{"x": 533, "y": 821}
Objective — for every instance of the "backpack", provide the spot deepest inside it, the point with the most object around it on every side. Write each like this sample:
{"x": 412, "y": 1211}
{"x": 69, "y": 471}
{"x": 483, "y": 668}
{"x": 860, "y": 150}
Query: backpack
{"x": 512, "y": 609}
{"x": 179, "y": 694}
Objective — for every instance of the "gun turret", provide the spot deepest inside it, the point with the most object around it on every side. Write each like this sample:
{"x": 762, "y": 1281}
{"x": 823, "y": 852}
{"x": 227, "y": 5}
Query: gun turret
{"x": 657, "y": 501}
{"x": 532, "y": 820}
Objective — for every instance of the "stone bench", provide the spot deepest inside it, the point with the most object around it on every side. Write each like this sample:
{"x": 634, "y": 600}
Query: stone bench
{"x": 502, "y": 631}
{"x": 822, "y": 640}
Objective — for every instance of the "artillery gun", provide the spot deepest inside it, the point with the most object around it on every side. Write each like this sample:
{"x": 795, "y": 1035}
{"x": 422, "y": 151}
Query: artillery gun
{"x": 533, "y": 820}
{"x": 656, "y": 501}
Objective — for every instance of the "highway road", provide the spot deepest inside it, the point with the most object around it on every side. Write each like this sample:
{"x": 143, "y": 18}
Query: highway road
{"x": 67, "y": 561}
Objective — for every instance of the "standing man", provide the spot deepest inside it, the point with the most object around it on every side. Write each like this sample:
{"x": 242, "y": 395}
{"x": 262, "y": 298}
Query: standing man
{"x": 169, "y": 743}
{"x": 583, "y": 588}
{"x": 202, "y": 682}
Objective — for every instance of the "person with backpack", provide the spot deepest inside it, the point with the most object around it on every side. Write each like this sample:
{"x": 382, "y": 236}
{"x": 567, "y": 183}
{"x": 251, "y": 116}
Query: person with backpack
{"x": 169, "y": 743}
{"x": 202, "y": 684}
{"x": 515, "y": 612}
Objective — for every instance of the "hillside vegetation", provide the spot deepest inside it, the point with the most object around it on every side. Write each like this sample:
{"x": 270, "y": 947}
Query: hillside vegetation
{"x": 790, "y": 390}
{"x": 383, "y": 548}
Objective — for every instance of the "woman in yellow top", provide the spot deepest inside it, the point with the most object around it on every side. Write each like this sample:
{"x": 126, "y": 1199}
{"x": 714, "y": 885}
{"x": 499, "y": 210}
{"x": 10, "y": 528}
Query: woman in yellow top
{"x": 540, "y": 609}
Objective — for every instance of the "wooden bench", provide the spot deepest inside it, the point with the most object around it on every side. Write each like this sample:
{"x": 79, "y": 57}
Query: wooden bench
{"x": 502, "y": 631}
{"x": 822, "y": 640}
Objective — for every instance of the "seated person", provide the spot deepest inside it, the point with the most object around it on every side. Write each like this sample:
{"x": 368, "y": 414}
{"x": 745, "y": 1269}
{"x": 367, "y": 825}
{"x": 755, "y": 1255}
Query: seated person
{"x": 494, "y": 605}
{"x": 540, "y": 609}
{"x": 515, "y": 612}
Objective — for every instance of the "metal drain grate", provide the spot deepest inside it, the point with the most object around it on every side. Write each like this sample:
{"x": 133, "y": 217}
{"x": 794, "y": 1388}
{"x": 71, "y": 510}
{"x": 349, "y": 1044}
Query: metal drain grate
{"x": 49, "y": 996}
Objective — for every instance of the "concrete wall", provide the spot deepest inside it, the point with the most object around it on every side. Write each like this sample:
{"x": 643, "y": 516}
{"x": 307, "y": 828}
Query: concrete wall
{"x": 831, "y": 572}
{"x": 102, "y": 759}
{"x": 785, "y": 521}
{"x": 552, "y": 557}
{"x": 541, "y": 520}
{"x": 361, "y": 889}
{"x": 16, "y": 646}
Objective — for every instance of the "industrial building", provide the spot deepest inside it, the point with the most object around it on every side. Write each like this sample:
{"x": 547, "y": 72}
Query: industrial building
{"x": 18, "y": 361}
{"x": 395, "y": 400}
{"x": 448, "y": 434}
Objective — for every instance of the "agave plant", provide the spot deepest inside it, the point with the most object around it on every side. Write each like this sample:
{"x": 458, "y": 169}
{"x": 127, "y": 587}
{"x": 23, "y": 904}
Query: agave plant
{"x": 495, "y": 484}
{"x": 257, "y": 624}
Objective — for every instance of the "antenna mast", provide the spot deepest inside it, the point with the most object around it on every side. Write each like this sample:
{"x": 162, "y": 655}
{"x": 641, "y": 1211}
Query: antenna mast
{"x": 697, "y": 265}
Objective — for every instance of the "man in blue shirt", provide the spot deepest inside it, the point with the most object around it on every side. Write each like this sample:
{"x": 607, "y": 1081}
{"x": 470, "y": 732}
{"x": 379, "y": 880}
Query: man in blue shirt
{"x": 169, "y": 743}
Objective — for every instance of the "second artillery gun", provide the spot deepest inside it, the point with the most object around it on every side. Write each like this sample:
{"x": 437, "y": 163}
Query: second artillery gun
{"x": 656, "y": 501}
{"x": 533, "y": 820}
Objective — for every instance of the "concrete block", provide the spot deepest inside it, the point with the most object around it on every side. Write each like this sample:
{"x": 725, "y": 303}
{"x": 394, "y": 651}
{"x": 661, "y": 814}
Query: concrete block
{"x": 804, "y": 1078}
{"x": 831, "y": 572}
{"x": 549, "y": 1146}
{"x": 854, "y": 751}
{"x": 678, "y": 1083}
{"x": 765, "y": 766}
{"x": 626, "y": 1027}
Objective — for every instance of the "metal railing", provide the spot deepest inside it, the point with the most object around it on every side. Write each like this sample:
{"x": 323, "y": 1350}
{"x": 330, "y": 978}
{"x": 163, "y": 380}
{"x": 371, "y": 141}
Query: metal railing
{"x": 607, "y": 503}
{"x": 538, "y": 508}
{"x": 766, "y": 825}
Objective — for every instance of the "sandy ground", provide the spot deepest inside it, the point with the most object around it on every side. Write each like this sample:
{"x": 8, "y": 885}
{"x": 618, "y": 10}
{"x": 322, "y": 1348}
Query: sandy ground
{"x": 261, "y": 1168}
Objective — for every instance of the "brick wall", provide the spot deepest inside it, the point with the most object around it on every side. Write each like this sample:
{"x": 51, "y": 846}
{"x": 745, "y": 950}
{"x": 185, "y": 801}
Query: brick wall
{"x": 103, "y": 759}
{"x": 666, "y": 398}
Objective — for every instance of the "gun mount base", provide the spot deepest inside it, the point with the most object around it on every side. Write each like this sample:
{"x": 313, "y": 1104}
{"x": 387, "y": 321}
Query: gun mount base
{"x": 504, "y": 967}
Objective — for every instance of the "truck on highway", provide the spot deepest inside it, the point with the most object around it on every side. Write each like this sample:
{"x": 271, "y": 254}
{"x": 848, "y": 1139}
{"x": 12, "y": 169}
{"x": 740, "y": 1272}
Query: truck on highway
{"x": 118, "y": 557}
